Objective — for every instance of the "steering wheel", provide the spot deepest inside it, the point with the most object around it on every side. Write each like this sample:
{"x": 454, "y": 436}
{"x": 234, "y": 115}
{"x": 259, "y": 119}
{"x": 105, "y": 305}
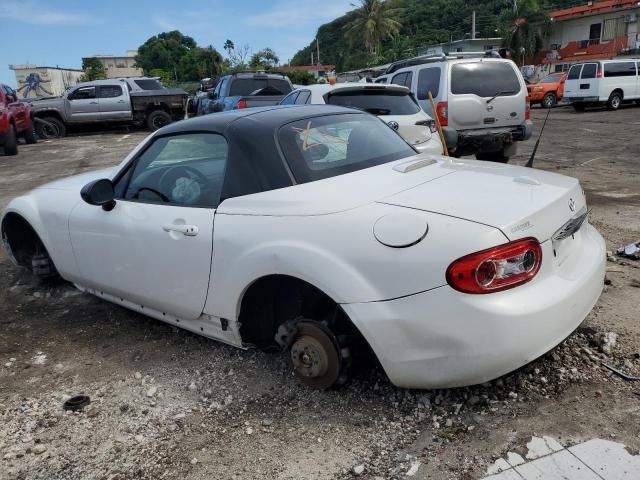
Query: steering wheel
{"x": 156, "y": 192}
{"x": 168, "y": 178}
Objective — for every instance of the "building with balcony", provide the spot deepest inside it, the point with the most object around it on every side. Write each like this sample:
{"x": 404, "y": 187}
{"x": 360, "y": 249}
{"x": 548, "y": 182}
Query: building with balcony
{"x": 598, "y": 30}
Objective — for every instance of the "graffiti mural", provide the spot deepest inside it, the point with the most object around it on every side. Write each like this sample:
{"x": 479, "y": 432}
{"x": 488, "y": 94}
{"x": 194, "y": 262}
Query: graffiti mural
{"x": 33, "y": 83}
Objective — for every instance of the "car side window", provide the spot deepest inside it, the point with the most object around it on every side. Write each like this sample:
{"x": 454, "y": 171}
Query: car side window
{"x": 399, "y": 79}
{"x": 83, "y": 93}
{"x": 589, "y": 70}
{"x": 222, "y": 87}
{"x": 290, "y": 99}
{"x": 574, "y": 73}
{"x": 428, "y": 81}
{"x": 110, "y": 91}
{"x": 185, "y": 170}
{"x": 304, "y": 97}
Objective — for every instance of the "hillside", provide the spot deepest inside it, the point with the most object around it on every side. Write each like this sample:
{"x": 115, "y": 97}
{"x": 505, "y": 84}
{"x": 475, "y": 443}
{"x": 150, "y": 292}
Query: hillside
{"x": 423, "y": 23}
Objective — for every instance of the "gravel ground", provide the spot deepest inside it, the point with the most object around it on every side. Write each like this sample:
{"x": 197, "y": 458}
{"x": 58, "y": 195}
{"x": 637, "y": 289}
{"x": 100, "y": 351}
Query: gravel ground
{"x": 169, "y": 404}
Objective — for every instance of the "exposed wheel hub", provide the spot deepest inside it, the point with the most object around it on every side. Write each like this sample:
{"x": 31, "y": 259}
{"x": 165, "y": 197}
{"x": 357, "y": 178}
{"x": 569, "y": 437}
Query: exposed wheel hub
{"x": 316, "y": 356}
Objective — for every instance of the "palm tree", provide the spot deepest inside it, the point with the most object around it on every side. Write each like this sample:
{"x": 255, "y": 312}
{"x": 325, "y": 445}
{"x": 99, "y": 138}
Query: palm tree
{"x": 374, "y": 21}
{"x": 524, "y": 28}
{"x": 228, "y": 46}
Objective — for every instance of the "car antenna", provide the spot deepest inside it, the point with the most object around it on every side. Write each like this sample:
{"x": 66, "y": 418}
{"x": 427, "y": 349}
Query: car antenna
{"x": 535, "y": 147}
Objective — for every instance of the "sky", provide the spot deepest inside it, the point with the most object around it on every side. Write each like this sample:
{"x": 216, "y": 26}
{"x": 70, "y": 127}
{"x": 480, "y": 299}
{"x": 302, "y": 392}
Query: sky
{"x": 60, "y": 33}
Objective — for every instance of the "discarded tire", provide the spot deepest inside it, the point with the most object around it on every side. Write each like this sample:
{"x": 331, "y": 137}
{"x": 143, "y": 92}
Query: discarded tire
{"x": 76, "y": 403}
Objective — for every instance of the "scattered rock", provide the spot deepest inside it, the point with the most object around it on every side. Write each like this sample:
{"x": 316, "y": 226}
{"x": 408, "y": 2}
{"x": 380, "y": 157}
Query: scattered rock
{"x": 152, "y": 391}
{"x": 358, "y": 470}
{"x": 137, "y": 376}
{"x": 39, "y": 449}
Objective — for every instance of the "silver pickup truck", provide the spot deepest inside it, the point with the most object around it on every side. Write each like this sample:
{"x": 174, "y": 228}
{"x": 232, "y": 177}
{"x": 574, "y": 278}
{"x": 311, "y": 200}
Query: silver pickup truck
{"x": 138, "y": 101}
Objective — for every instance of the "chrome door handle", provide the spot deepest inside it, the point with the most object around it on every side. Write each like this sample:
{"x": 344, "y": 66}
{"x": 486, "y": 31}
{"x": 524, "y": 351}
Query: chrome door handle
{"x": 120, "y": 101}
{"x": 186, "y": 230}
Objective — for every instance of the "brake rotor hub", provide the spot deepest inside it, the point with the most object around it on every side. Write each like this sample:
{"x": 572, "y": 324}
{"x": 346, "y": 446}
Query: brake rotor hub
{"x": 315, "y": 355}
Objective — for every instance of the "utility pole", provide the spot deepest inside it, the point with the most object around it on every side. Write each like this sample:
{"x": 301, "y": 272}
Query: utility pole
{"x": 473, "y": 25}
{"x": 312, "y": 58}
{"x": 318, "y": 50}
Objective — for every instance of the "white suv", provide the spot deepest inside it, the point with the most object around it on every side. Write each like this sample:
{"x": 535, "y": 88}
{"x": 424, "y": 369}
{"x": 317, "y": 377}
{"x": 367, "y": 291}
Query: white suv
{"x": 482, "y": 97}
{"x": 393, "y": 104}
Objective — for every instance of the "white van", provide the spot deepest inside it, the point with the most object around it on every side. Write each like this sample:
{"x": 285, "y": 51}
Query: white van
{"x": 609, "y": 82}
{"x": 483, "y": 97}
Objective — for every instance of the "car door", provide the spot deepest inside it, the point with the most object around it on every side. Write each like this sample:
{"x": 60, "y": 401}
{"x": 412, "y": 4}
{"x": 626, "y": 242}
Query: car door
{"x": 19, "y": 110}
{"x": 114, "y": 103}
{"x": 154, "y": 248}
{"x": 83, "y": 105}
{"x": 589, "y": 85}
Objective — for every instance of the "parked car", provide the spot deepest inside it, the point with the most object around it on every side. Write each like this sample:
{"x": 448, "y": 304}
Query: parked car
{"x": 317, "y": 228}
{"x": 199, "y": 99}
{"x": 393, "y": 104}
{"x": 604, "y": 82}
{"x": 482, "y": 97}
{"x": 16, "y": 120}
{"x": 127, "y": 100}
{"x": 246, "y": 90}
{"x": 548, "y": 91}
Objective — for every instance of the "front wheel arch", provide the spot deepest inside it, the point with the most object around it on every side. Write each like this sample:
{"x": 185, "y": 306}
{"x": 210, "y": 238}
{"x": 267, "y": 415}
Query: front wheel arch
{"x": 25, "y": 247}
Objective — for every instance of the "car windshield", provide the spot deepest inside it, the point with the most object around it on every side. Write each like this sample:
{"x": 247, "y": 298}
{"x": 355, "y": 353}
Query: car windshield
{"x": 149, "y": 84}
{"x": 376, "y": 102}
{"x": 242, "y": 87}
{"x": 484, "y": 79}
{"x": 554, "y": 77}
{"x": 331, "y": 145}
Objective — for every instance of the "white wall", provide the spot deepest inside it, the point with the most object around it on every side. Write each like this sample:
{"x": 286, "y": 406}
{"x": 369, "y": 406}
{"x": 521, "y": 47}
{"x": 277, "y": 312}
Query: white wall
{"x": 52, "y": 81}
{"x": 577, "y": 29}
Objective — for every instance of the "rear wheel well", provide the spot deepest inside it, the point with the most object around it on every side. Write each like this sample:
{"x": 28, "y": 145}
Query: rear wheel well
{"x": 25, "y": 246}
{"x": 618, "y": 90}
{"x": 275, "y": 299}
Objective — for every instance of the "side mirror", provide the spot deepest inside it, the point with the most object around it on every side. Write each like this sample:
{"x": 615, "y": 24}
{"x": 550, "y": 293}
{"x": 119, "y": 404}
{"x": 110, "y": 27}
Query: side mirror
{"x": 100, "y": 193}
{"x": 450, "y": 137}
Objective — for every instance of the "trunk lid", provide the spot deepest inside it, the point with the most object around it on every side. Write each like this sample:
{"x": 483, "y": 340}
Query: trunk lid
{"x": 406, "y": 126}
{"x": 519, "y": 201}
{"x": 486, "y": 94}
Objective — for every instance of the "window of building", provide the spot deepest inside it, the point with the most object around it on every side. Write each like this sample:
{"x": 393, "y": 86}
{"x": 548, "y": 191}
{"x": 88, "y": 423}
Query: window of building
{"x": 595, "y": 32}
{"x": 612, "y": 28}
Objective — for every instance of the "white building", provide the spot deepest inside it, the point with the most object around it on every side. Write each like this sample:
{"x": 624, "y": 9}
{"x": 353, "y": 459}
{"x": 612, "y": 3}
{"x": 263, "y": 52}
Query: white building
{"x": 120, "y": 65}
{"x": 35, "y": 81}
{"x": 459, "y": 46}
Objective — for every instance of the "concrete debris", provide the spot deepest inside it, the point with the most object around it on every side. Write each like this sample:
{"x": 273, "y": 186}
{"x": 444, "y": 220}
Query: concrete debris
{"x": 358, "y": 470}
{"x": 152, "y": 391}
{"x": 631, "y": 251}
{"x": 608, "y": 342}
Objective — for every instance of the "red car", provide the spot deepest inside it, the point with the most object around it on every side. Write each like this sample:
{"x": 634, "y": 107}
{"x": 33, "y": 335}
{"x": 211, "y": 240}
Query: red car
{"x": 547, "y": 91}
{"x": 16, "y": 120}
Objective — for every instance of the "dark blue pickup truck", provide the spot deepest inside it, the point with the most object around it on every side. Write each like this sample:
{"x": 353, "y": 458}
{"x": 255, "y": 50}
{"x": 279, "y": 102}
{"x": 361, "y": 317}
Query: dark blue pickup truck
{"x": 246, "y": 90}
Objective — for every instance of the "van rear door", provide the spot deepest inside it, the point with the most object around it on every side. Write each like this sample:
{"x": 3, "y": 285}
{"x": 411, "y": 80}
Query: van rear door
{"x": 582, "y": 83}
{"x": 486, "y": 94}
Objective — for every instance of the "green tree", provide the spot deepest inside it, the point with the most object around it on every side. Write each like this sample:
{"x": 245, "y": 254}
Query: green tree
{"x": 165, "y": 77}
{"x": 178, "y": 54}
{"x": 374, "y": 22}
{"x": 524, "y": 29}
{"x": 93, "y": 69}
{"x": 301, "y": 77}
{"x": 265, "y": 58}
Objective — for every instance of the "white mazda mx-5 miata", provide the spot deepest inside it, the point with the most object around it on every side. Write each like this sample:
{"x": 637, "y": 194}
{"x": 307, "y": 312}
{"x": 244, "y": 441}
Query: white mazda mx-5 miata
{"x": 317, "y": 229}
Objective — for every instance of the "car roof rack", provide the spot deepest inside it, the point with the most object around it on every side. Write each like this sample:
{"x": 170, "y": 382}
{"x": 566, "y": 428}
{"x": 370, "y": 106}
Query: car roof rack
{"x": 258, "y": 72}
{"x": 442, "y": 57}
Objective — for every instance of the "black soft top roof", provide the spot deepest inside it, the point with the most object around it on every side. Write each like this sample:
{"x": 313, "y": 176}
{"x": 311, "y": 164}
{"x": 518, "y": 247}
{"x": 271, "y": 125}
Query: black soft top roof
{"x": 267, "y": 118}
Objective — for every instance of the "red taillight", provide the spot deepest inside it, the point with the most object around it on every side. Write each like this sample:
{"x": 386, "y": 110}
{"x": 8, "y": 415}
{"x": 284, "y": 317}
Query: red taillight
{"x": 527, "y": 108}
{"x": 428, "y": 123}
{"x": 600, "y": 73}
{"x": 241, "y": 104}
{"x": 442, "y": 110}
{"x": 496, "y": 269}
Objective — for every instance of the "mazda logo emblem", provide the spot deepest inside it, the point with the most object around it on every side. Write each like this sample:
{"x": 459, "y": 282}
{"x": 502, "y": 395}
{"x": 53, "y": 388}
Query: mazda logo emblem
{"x": 572, "y": 205}
{"x": 394, "y": 125}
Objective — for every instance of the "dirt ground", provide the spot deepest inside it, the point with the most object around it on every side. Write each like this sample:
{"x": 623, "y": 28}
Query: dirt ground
{"x": 166, "y": 404}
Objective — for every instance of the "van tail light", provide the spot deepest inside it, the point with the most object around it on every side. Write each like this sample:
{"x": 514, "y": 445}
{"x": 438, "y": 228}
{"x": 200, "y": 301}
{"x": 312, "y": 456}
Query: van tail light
{"x": 442, "y": 110}
{"x": 428, "y": 123}
{"x": 600, "y": 73}
{"x": 527, "y": 108}
{"x": 497, "y": 268}
{"x": 242, "y": 103}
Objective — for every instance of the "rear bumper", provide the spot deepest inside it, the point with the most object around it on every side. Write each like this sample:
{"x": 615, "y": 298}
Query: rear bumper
{"x": 443, "y": 338}
{"x": 492, "y": 139}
